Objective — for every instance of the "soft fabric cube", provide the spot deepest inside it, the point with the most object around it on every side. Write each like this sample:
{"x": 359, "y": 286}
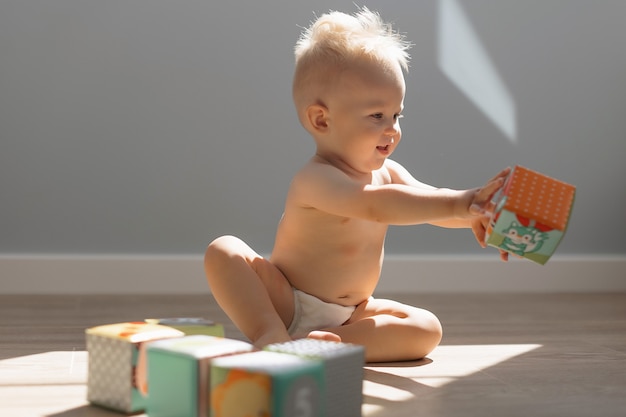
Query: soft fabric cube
{"x": 113, "y": 358}
{"x": 343, "y": 369}
{"x": 268, "y": 384}
{"x": 178, "y": 373}
{"x": 192, "y": 325}
{"x": 531, "y": 214}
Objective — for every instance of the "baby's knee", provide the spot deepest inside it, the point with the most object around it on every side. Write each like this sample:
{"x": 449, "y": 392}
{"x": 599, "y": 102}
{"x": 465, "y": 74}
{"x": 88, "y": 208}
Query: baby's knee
{"x": 427, "y": 333}
{"x": 433, "y": 328}
{"x": 222, "y": 246}
{"x": 221, "y": 250}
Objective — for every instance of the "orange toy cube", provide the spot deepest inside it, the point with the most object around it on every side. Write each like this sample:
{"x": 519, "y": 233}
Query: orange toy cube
{"x": 531, "y": 214}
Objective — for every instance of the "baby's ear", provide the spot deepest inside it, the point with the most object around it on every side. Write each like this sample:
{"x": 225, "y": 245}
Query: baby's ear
{"x": 317, "y": 118}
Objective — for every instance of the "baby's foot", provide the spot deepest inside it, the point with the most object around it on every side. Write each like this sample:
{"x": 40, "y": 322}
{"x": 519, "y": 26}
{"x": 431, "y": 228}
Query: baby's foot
{"x": 322, "y": 335}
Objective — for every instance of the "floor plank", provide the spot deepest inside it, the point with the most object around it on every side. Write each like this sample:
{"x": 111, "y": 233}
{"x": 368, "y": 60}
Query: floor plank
{"x": 502, "y": 354}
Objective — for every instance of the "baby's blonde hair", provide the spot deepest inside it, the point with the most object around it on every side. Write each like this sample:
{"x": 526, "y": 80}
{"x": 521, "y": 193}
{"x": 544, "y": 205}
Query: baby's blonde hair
{"x": 337, "y": 40}
{"x": 340, "y": 35}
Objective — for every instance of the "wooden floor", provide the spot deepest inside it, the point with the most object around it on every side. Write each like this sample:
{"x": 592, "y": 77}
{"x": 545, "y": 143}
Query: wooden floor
{"x": 502, "y": 355}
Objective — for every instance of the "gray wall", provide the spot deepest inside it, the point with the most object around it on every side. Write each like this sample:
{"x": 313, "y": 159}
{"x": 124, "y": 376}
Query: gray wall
{"x": 154, "y": 126}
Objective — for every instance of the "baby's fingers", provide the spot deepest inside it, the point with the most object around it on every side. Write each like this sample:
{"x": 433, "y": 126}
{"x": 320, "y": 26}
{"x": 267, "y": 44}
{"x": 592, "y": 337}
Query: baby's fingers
{"x": 476, "y": 210}
{"x": 490, "y": 189}
{"x": 502, "y": 174}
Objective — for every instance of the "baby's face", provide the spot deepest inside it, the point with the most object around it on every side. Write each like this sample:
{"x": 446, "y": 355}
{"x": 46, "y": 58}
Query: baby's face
{"x": 364, "y": 115}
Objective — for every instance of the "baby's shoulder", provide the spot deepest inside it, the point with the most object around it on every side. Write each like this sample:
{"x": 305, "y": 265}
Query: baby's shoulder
{"x": 392, "y": 166}
{"x": 317, "y": 171}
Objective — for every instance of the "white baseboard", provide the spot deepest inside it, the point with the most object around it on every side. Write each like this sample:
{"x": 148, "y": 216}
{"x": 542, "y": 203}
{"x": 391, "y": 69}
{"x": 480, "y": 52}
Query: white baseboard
{"x": 173, "y": 274}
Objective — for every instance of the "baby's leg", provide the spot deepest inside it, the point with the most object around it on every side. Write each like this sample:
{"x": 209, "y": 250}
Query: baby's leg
{"x": 254, "y": 294}
{"x": 391, "y": 331}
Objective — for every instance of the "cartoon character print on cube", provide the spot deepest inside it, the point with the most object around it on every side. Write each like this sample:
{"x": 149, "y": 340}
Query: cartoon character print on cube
{"x": 531, "y": 214}
{"x": 267, "y": 384}
{"x": 523, "y": 236}
{"x": 343, "y": 372}
{"x": 178, "y": 373}
{"x": 113, "y": 357}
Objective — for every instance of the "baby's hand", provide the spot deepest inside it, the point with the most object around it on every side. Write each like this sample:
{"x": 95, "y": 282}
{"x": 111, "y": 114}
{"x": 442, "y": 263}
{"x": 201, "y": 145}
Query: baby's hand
{"x": 481, "y": 204}
{"x": 479, "y": 226}
{"x": 481, "y": 208}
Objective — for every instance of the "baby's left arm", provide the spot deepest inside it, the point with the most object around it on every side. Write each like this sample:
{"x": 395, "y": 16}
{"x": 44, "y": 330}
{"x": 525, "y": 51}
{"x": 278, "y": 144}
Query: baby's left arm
{"x": 400, "y": 175}
{"x": 477, "y": 223}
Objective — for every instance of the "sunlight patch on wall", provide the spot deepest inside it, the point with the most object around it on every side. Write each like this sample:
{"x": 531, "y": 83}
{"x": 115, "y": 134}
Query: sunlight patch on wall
{"x": 464, "y": 60}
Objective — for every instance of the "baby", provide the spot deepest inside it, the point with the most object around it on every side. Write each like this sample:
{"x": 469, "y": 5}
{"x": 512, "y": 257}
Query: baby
{"x": 348, "y": 90}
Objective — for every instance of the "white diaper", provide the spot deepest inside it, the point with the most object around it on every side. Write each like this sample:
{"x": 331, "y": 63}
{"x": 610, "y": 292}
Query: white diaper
{"x": 311, "y": 313}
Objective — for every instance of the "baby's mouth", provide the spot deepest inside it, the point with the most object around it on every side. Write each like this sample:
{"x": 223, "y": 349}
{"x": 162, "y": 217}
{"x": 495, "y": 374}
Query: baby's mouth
{"x": 382, "y": 148}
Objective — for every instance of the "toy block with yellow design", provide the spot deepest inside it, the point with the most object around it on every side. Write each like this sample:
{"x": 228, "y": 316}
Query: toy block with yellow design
{"x": 178, "y": 373}
{"x": 267, "y": 384}
{"x": 113, "y": 359}
{"x": 531, "y": 214}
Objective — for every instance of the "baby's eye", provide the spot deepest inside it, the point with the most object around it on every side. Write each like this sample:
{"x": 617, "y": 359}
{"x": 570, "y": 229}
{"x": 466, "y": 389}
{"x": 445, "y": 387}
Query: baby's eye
{"x": 398, "y": 116}
{"x": 377, "y": 116}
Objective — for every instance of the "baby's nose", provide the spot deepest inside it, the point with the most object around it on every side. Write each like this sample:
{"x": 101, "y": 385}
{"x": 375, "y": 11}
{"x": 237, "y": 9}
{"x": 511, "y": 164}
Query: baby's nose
{"x": 392, "y": 131}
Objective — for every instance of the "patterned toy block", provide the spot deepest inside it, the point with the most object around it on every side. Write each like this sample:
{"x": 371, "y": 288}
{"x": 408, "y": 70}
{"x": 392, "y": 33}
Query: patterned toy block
{"x": 178, "y": 373}
{"x": 531, "y": 214}
{"x": 113, "y": 357}
{"x": 268, "y": 384}
{"x": 343, "y": 365}
{"x": 192, "y": 326}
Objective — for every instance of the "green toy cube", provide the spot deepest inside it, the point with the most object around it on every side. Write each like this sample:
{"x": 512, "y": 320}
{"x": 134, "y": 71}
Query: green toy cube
{"x": 267, "y": 384}
{"x": 113, "y": 357}
{"x": 343, "y": 365}
{"x": 192, "y": 325}
{"x": 531, "y": 214}
{"x": 178, "y": 373}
